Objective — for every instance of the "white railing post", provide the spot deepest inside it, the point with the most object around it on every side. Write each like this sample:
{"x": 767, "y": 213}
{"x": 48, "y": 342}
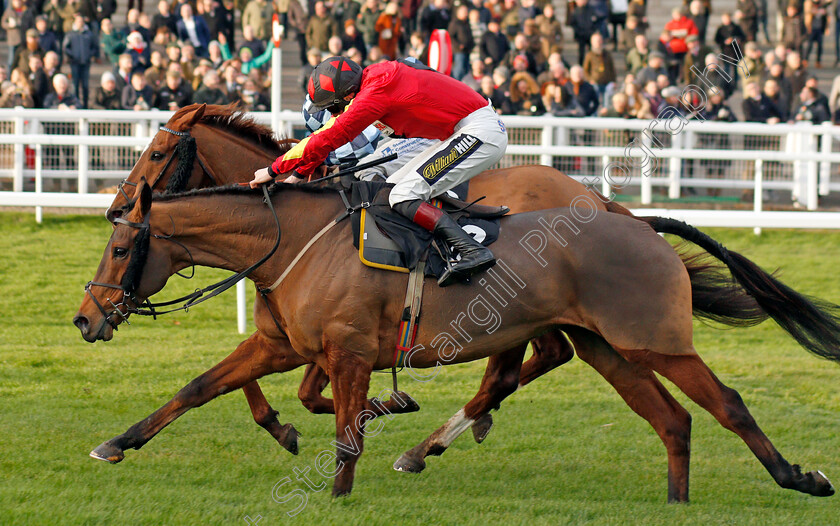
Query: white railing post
{"x": 39, "y": 179}
{"x": 793, "y": 145}
{"x": 676, "y": 164}
{"x": 825, "y": 166}
{"x": 812, "y": 198}
{"x": 241, "y": 305}
{"x": 546, "y": 141}
{"x": 758, "y": 192}
{"x": 20, "y": 158}
{"x": 647, "y": 172}
{"x": 84, "y": 157}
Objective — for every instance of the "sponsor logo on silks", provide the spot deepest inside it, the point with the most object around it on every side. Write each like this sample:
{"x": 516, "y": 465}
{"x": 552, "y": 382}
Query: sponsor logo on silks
{"x": 502, "y": 125}
{"x": 384, "y": 128}
{"x": 458, "y": 150}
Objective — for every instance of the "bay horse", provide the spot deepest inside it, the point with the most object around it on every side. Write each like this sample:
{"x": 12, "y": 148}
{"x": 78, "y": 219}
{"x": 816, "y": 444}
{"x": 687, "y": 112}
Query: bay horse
{"x": 202, "y": 139}
{"x": 547, "y": 280}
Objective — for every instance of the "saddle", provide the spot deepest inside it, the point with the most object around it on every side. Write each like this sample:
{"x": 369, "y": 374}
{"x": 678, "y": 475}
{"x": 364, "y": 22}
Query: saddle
{"x": 388, "y": 241}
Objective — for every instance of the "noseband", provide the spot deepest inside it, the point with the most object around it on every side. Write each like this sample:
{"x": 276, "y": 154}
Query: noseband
{"x": 187, "y": 153}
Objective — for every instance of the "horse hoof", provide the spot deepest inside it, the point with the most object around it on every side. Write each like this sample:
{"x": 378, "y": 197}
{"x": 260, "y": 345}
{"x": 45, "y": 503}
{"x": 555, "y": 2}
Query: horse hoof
{"x": 409, "y": 464}
{"x": 481, "y": 428}
{"x": 288, "y": 438}
{"x": 822, "y": 486}
{"x": 108, "y": 452}
{"x": 410, "y": 405}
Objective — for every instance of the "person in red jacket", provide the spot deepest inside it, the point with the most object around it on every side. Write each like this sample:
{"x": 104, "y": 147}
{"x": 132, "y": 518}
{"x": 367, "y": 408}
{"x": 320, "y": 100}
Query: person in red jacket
{"x": 680, "y": 27}
{"x": 407, "y": 99}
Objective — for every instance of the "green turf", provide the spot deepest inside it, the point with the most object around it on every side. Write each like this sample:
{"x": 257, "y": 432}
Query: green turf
{"x": 565, "y": 450}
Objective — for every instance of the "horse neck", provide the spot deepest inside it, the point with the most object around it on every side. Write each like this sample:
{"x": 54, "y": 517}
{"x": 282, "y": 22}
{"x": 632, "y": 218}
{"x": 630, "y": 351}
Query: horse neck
{"x": 233, "y": 231}
{"x": 231, "y": 158}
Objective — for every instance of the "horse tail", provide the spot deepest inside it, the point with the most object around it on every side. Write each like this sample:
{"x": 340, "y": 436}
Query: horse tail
{"x": 813, "y": 323}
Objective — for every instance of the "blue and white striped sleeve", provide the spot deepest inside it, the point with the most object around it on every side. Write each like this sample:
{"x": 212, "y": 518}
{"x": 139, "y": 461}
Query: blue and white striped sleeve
{"x": 364, "y": 144}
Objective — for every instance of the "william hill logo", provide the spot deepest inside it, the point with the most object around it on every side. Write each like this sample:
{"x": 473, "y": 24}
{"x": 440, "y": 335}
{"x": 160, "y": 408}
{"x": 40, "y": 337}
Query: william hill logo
{"x": 458, "y": 150}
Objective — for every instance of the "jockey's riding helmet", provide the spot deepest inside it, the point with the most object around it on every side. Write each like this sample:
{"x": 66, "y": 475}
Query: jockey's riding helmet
{"x": 331, "y": 81}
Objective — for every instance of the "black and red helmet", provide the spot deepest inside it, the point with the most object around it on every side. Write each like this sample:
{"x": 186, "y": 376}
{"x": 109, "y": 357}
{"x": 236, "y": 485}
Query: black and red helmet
{"x": 331, "y": 81}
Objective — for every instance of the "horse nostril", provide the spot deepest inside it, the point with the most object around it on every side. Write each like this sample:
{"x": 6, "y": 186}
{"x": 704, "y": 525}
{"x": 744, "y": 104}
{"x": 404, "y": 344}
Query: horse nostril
{"x": 81, "y": 322}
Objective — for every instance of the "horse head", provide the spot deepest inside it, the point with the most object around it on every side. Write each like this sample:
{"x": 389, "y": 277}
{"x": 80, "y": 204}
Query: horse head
{"x": 171, "y": 143}
{"x": 130, "y": 271}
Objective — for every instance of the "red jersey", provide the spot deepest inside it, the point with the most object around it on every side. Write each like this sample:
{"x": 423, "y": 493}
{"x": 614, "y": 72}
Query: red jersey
{"x": 396, "y": 98}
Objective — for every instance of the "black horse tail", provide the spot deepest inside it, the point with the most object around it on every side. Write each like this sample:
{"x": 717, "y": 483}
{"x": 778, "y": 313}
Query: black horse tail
{"x": 812, "y": 322}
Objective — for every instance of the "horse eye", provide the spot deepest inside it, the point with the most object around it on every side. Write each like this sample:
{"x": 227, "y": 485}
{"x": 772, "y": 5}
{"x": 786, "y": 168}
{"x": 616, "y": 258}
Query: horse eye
{"x": 156, "y": 156}
{"x": 120, "y": 252}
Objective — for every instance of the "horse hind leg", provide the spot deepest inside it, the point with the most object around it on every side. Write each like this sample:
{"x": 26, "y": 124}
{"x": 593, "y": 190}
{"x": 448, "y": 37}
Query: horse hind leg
{"x": 551, "y": 350}
{"x": 645, "y": 394}
{"x": 501, "y": 379}
{"x": 264, "y": 415}
{"x": 696, "y": 380}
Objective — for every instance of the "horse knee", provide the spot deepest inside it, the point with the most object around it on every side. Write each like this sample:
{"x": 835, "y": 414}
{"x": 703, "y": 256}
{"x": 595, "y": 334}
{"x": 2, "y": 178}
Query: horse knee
{"x": 678, "y": 433}
{"x": 736, "y": 415}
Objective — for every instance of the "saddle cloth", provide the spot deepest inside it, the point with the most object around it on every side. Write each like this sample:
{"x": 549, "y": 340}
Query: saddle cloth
{"x": 387, "y": 240}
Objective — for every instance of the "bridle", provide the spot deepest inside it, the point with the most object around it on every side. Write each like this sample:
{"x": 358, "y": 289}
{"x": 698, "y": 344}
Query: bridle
{"x": 186, "y": 150}
{"x": 146, "y": 307}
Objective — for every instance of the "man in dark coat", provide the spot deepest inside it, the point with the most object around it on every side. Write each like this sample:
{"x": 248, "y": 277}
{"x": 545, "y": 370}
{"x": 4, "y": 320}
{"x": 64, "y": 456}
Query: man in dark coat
{"x": 493, "y": 46}
{"x": 81, "y": 47}
{"x": 583, "y": 22}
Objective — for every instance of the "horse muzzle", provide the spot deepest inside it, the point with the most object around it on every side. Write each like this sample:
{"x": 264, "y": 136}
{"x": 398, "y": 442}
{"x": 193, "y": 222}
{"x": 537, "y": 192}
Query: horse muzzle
{"x": 103, "y": 330}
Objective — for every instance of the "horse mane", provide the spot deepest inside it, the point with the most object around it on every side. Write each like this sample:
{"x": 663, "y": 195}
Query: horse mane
{"x": 236, "y": 189}
{"x": 234, "y": 118}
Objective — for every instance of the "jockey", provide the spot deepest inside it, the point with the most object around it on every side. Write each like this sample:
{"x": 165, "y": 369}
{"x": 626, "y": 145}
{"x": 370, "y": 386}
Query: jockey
{"x": 410, "y": 100}
{"x": 370, "y": 142}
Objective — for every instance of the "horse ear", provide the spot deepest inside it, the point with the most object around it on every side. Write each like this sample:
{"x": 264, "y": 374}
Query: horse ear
{"x": 196, "y": 116}
{"x": 145, "y": 192}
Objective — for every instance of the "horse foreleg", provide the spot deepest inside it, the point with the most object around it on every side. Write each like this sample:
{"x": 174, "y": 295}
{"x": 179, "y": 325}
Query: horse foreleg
{"x": 252, "y": 359}
{"x": 264, "y": 415}
{"x": 501, "y": 379}
{"x": 645, "y": 395}
{"x": 350, "y": 377}
{"x": 315, "y": 380}
{"x": 695, "y": 379}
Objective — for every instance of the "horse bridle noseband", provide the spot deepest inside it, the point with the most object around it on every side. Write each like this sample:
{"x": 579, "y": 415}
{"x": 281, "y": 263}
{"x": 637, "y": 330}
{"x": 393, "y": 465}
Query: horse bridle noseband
{"x": 185, "y": 145}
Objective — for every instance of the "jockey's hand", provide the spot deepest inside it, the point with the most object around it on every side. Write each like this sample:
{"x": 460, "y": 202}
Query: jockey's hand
{"x": 261, "y": 176}
{"x": 293, "y": 179}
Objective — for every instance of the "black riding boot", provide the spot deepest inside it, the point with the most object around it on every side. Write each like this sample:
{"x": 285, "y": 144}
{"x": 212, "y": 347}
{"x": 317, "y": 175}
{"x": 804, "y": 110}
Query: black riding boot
{"x": 475, "y": 257}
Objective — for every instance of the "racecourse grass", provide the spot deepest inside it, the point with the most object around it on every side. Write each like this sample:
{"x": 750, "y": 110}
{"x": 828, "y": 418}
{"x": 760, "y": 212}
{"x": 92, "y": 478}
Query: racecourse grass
{"x": 564, "y": 450}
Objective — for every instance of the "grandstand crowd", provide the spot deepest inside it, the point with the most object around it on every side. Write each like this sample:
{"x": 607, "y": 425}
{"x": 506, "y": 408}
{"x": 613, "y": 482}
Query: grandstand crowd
{"x": 529, "y": 57}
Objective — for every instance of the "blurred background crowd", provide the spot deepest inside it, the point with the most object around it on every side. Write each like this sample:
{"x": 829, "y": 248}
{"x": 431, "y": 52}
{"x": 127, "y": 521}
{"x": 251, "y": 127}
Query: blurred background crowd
{"x": 529, "y": 57}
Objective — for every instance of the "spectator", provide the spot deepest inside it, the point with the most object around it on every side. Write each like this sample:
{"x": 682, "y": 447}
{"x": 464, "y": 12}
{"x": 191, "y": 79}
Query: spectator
{"x": 813, "y": 83}
{"x": 785, "y": 102}
{"x": 122, "y": 71}
{"x": 819, "y": 24}
{"x": 352, "y": 37}
{"x": 193, "y": 29}
{"x": 252, "y": 98}
{"x": 598, "y": 65}
{"x": 561, "y": 103}
{"x": 551, "y": 30}
{"x": 716, "y": 78}
{"x": 487, "y": 88}
{"x": 51, "y": 66}
{"x": 61, "y": 98}
{"x": 133, "y": 24}
{"x": 795, "y": 72}
{"x": 774, "y": 95}
{"x": 494, "y": 46}
{"x": 164, "y": 18}
{"x": 524, "y": 96}
{"x": 250, "y": 40}
{"x": 655, "y": 68}
{"x": 138, "y": 95}
{"x": 214, "y": 50}
{"x": 52, "y": 12}
{"x": 812, "y": 109}
{"x": 583, "y": 22}
{"x": 47, "y": 39}
{"x": 436, "y": 15}
{"x": 698, "y": 12}
{"x": 16, "y": 20}
{"x": 618, "y": 109}
{"x": 298, "y": 21}
{"x": 366, "y": 22}
{"x": 473, "y": 78}
{"x": 154, "y": 74}
{"x": 139, "y": 51}
{"x": 639, "y": 106}
{"x": 335, "y": 48}
{"x": 617, "y": 18}
{"x": 232, "y": 83}
{"x": 582, "y": 91}
{"x": 757, "y": 108}
{"x": 729, "y": 36}
{"x": 654, "y": 98}
{"x": 80, "y": 48}
{"x": 631, "y": 31}
{"x": 111, "y": 41}
{"x": 749, "y": 18}
{"x": 389, "y": 28}
{"x": 462, "y": 41}
{"x": 836, "y": 34}
{"x": 484, "y": 14}
{"x": 534, "y": 39}
{"x": 257, "y": 14}
{"x": 41, "y": 84}
{"x": 793, "y": 31}
{"x": 695, "y": 58}
{"x": 107, "y": 96}
{"x": 477, "y": 29}
{"x": 321, "y": 27}
{"x": 175, "y": 93}
{"x": 417, "y": 48}
{"x": 344, "y": 10}
{"x": 637, "y": 58}
{"x": 520, "y": 50}
{"x": 210, "y": 91}
{"x": 188, "y": 62}
{"x": 18, "y": 92}
{"x": 680, "y": 27}
{"x": 31, "y": 47}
